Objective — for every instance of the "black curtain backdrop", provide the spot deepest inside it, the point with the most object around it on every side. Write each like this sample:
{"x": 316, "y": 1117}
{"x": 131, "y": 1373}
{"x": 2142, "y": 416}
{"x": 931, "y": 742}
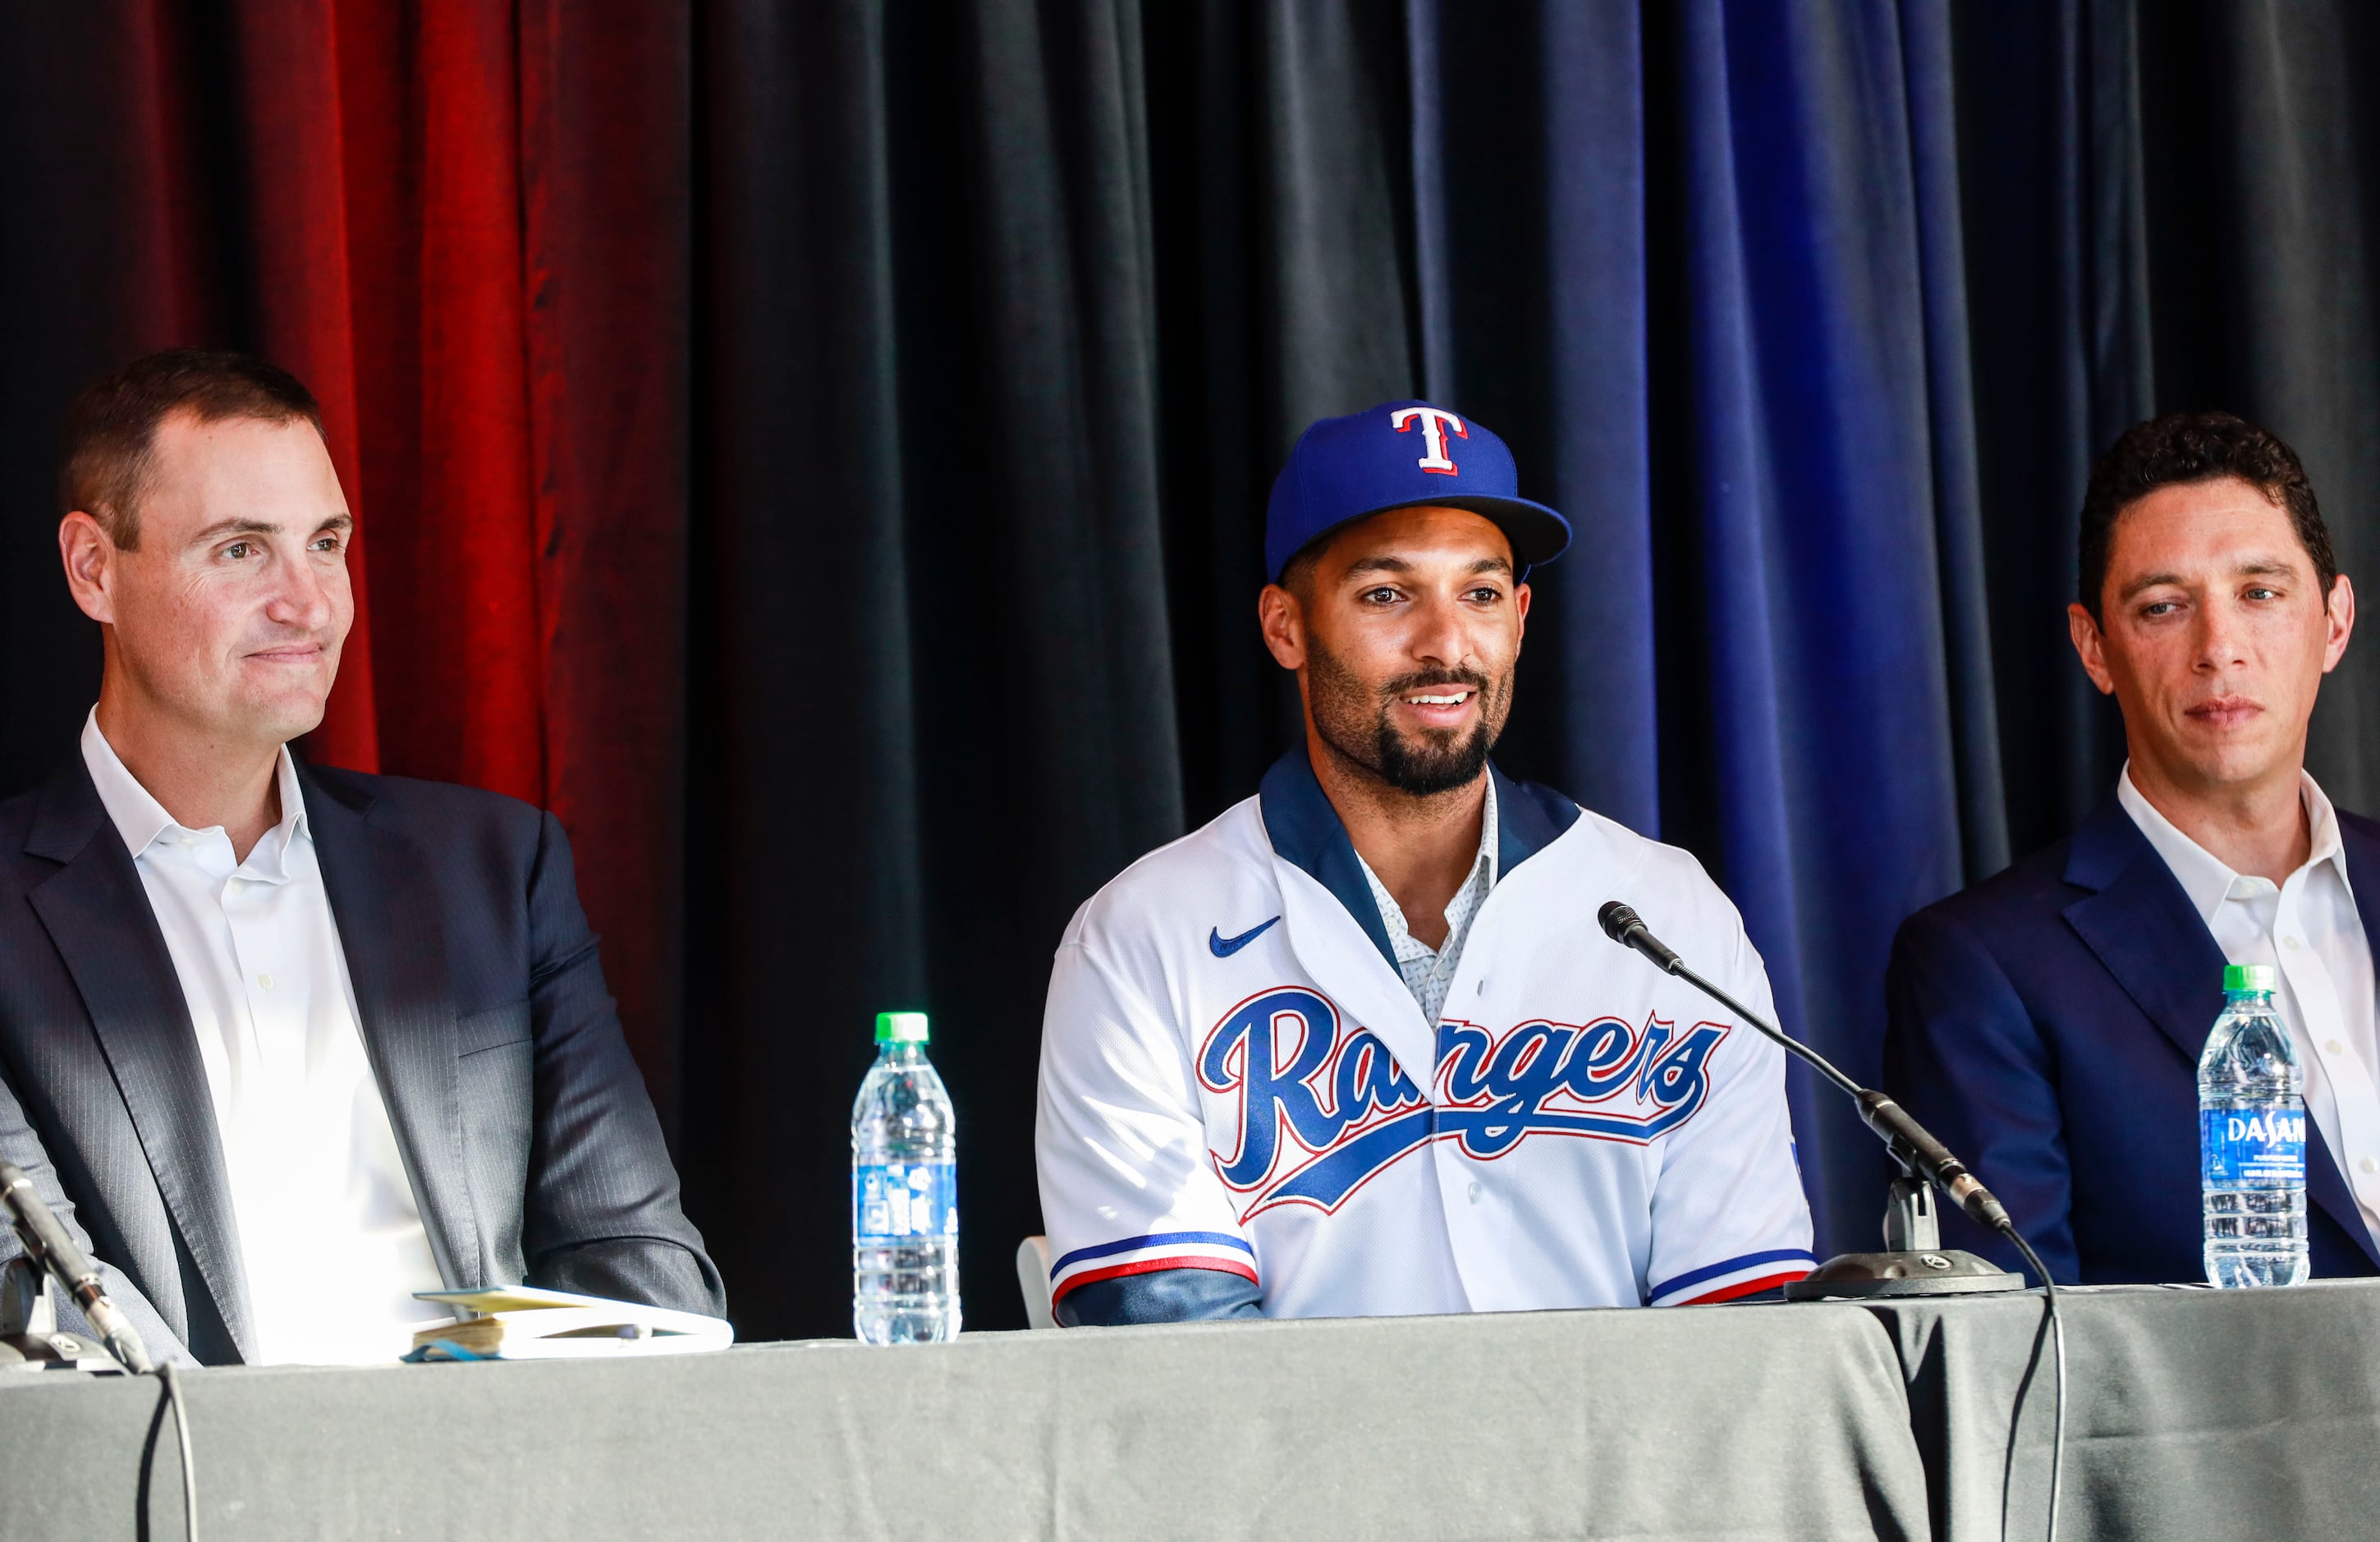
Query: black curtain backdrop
{"x": 1000, "y": 316}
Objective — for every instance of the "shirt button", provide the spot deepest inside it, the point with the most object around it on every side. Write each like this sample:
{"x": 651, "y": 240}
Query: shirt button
{"x": 2335, "y": 1048}
{"x": 1483, "y": 988}
{"x": 264, "y": 980}
{"x": 2291, "y": 944}
{"x": 2369, "y": 1165}
{"x": 1475, "y": 1188}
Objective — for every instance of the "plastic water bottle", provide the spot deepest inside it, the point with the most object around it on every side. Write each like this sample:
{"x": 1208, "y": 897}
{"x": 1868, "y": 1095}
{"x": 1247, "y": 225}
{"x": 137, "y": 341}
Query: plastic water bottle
{"x": 905, "y": 1214}
{"x": 2251, "y": 1139}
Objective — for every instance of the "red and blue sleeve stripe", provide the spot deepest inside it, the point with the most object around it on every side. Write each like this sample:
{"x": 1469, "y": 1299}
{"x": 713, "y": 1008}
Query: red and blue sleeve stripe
{"x": 1745, "y": 1274}
{"x": 1145, "y": 1254}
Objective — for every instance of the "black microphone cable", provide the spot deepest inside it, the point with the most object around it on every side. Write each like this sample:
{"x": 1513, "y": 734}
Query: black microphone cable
{"x": 1916, "y": 1150}
{"x": 172, "y": 1379}
{"x": 2058, "y": 1385}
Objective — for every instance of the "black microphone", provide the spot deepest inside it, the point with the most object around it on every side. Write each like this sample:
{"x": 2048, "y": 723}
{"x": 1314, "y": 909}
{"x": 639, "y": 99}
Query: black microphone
{"x": 1908, "y": 1141}
{"x": 47, "y": 1245}
{"x": 1623, "y": 925}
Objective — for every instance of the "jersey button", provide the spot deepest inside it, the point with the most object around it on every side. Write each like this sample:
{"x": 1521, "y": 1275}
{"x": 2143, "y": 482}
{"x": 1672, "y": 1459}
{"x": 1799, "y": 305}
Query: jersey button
{"x": 1475, "y": 1188}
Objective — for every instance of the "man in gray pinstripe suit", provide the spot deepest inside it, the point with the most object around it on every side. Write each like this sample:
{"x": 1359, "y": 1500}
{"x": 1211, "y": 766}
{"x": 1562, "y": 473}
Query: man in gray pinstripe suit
{"x": 285, "y": 1044}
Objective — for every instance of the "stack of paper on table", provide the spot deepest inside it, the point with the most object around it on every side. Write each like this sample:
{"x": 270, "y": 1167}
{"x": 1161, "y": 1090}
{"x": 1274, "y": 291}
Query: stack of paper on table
{"x": 525, "y": 1323}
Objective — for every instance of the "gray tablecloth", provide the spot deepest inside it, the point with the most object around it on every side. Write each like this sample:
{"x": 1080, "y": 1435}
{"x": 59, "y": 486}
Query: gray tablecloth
{"x": 2191, "y": 1412}
{"x": 1715, "y": 1422}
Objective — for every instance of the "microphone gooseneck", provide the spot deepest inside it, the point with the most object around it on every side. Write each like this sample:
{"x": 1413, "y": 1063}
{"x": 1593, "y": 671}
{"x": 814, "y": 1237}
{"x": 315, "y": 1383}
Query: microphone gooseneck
{"x": 1912, "y": 1147}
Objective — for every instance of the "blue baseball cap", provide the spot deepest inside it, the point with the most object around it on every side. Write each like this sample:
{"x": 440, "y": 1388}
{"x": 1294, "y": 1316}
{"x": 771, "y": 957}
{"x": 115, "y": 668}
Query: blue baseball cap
{"x": 1393, "y": 456}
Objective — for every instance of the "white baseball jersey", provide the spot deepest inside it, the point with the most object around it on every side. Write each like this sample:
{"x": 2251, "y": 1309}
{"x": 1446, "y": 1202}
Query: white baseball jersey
{"x": 1234, "y": 1077}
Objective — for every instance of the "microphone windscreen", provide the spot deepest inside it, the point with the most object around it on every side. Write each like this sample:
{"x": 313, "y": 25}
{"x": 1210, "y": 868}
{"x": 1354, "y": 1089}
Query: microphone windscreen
{"x": 1617, "y": 918}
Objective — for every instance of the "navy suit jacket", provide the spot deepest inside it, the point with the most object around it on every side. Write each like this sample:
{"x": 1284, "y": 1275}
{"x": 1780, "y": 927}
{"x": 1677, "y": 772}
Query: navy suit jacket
{"x": 2047, "y": 1024}
{"x": 532, "y": 1148}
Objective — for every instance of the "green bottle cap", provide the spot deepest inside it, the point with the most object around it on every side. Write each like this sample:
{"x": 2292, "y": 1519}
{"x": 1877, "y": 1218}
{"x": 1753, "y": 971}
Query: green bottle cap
{"x": 2236, "y": 977}
{"x": 909, "y": 1027}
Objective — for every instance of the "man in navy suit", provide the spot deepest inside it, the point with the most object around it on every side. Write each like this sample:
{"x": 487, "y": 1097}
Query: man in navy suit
{"x": 283, "y": 1045}
{"x": 2047, "y": 1022}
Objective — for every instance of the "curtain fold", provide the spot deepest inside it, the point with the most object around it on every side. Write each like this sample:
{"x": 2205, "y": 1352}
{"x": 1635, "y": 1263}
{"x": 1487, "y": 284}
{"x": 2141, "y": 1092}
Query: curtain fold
{"x": 1933, "y": 130}
{"x": 805, "y": 872}
{"x": 2053, "y": 227}
{"x": 607, "y": 251}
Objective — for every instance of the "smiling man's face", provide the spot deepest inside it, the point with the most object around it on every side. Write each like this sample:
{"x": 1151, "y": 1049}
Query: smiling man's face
{"x": 2214, "y": 634}
{"x": 228, "y": 613}
{"x": 1404, "y": 633}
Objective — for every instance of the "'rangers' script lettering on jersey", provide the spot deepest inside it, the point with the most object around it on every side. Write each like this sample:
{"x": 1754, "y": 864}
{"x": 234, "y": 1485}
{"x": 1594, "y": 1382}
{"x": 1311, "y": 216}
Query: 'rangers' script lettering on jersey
{"x": 1348, "y": 1110}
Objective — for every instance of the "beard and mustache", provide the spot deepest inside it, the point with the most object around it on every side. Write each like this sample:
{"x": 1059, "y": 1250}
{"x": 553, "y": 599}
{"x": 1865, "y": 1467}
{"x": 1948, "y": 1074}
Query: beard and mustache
{"x": 1353, "y": 720}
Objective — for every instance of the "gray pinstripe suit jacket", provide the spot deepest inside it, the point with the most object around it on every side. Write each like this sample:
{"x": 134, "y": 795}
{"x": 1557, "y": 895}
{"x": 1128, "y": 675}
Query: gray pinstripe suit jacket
{"x": 532, "y": 1147}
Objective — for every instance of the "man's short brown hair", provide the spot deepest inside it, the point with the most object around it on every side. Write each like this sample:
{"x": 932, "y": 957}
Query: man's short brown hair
{"x": 2195, "y": 448}
{"x": 113, "y": 425}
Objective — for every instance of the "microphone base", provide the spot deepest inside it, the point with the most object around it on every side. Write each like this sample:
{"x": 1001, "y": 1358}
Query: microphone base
{"x": 55, "y": 1352}
{"x": 30, "y": 1339}
{"x": 1871, "y": 1276}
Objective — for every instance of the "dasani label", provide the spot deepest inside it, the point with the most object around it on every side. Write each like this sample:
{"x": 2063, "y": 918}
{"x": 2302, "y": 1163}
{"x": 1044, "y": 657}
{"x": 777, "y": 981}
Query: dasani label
{"x": 2251, "y": 1147}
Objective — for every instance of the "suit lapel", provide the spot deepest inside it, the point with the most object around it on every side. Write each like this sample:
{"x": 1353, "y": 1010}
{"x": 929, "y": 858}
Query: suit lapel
{"x": 2145, "y": 932}
{"x": 2141, "y": 925}
{"x": 98, "y": 916}
{"x": 388, "y": 915}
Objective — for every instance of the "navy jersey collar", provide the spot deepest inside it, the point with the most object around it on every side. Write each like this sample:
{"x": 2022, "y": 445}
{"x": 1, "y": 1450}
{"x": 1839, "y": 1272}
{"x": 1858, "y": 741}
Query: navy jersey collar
{"x": 1306, "y": 831}
{"x": 1528, "y": 819}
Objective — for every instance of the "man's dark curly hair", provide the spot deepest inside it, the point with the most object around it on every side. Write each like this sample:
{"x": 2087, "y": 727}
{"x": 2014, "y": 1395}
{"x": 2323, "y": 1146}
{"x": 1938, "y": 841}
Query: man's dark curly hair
{"x": 2195, "y": 448}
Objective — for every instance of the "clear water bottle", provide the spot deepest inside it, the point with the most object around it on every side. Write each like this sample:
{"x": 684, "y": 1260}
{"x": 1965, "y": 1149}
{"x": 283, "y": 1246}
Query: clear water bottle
{"x": 905, "y": 1214}
{"x": 2251, "y": 1139}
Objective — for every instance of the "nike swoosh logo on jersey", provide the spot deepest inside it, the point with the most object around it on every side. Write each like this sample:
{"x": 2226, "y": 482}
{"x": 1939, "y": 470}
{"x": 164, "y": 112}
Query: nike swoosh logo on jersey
{"x": 1224, "y": 947}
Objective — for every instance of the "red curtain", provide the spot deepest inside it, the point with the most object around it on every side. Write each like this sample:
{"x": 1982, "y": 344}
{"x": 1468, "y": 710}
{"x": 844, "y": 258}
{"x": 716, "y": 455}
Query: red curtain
{"x": 465, "y": 224}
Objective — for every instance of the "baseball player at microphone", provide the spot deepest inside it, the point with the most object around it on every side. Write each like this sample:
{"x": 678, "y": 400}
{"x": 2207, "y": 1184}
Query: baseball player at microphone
{"x": 1357, "y": 1047}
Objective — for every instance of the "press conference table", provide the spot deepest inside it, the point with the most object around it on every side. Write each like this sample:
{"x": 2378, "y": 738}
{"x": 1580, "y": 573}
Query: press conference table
{"x": 2192, "y": 1414}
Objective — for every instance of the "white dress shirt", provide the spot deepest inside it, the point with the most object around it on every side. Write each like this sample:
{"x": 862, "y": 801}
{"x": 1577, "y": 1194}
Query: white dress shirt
{"x": 328, "y": 1231}
{"x": 2306, "y": 927}
{"x": 1428, "y": 972}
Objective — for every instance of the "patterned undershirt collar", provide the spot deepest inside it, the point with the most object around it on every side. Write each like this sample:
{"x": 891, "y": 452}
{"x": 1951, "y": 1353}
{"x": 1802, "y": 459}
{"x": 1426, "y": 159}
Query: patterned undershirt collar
{"x": 1429, "y": 973}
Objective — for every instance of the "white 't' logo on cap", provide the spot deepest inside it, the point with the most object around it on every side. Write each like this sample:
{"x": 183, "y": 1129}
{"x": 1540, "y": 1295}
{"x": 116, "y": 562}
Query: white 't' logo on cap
{"x": 1433, "y": 424}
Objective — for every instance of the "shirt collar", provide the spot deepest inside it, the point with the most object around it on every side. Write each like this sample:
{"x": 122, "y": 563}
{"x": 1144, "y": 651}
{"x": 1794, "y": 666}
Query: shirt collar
{"x": 2206, "y": 878}
{"x": 1307, "y": 832}
{"x": 1482, "y": 877}
{"x": 141, "y": 821}
{"x": 1482, "y": 868}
